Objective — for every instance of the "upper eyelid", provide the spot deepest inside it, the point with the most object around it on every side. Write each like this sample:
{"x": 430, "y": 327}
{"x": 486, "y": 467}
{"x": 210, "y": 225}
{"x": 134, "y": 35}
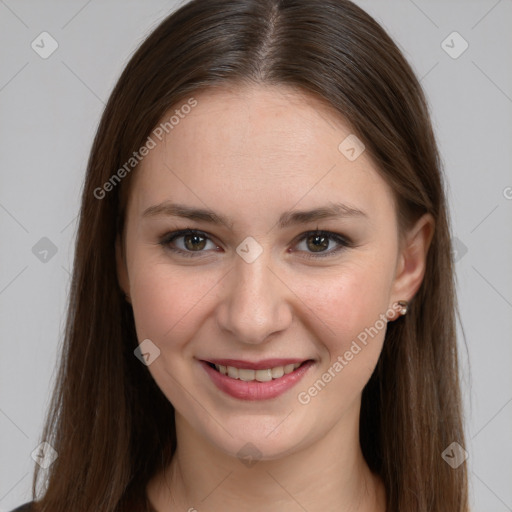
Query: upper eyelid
{"x": 192, "y": 231}
{"x": 173, "y": 235}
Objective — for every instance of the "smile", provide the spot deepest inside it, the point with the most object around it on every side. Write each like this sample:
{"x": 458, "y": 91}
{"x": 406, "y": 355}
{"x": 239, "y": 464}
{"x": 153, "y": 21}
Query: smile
{"x": 264, "y": 375}
{"x": 255, "y": 381}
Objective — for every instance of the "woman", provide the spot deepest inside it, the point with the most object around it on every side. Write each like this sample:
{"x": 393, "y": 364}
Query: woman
{"x": 262, "y": 306}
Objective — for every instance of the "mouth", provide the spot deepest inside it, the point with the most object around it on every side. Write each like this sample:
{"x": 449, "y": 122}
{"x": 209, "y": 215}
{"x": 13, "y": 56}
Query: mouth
{"x": 252, "y": 374}
{"x": 256, "y": 381}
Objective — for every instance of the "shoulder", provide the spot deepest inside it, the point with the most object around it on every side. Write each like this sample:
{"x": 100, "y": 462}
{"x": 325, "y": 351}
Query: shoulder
{"x": 27, "y": 507}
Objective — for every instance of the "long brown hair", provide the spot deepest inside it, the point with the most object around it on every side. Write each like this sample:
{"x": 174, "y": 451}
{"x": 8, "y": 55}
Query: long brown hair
{"x": 109, "y": 422}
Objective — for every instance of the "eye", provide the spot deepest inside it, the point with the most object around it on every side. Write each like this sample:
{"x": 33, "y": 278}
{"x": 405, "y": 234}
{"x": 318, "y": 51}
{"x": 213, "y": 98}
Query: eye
{"x": 317, "y": 242}
{"x": 190, "y": 241}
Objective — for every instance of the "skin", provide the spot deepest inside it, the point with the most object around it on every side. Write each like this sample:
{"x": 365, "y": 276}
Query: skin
{"x": 251, "y": 153}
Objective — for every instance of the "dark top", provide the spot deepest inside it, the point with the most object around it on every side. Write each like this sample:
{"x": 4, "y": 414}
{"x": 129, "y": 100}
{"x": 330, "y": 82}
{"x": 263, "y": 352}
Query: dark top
{"x": 145, "y": 506}
{"x": 27, "y": 507}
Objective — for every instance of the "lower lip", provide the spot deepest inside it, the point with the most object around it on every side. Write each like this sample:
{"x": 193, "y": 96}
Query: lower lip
{"x": 256, "y": 390}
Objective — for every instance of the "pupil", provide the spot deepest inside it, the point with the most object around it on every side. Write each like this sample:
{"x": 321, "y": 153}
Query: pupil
{"x": 196, "y": 239}
{"x": 321, "y": 242}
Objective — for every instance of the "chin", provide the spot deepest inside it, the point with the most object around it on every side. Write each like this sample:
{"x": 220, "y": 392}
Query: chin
{"x": 261, "y": 438}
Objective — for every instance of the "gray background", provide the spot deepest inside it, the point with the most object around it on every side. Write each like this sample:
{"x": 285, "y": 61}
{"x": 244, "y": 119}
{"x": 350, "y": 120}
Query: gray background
{"x": 50, "y": 108}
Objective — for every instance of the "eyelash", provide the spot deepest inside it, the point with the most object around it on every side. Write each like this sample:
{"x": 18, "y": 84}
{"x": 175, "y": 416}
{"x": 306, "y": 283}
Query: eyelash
{"x": 343, "y": 242}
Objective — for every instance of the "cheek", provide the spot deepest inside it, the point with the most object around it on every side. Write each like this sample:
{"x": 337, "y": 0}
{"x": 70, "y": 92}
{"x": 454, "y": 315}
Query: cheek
{"x": 350, "y": 300}
{"x": 166, "y": 300}
{"x": 352, "y": 305}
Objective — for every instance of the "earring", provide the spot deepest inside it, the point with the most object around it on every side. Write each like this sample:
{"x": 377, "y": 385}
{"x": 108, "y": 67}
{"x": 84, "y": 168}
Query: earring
{"x": 404, "y": 306}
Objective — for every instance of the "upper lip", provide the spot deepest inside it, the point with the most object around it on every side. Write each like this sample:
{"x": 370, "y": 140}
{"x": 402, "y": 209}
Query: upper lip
{"x": 255, "y": 365}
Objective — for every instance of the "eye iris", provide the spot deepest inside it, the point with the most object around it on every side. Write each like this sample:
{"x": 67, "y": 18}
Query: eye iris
{"x": 196, "y": 239}
{"x": 321, "y": 242}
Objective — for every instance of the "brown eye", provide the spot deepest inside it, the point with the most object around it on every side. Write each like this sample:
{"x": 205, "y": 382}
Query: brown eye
{"x": 194, "y": 242}
{"x": 317, "y": 243}
{"x": 188, "y": 242}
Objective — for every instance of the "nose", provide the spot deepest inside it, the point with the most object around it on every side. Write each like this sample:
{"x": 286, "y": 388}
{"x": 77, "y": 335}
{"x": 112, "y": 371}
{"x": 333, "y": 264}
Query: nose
{"x": 256, "y": 302}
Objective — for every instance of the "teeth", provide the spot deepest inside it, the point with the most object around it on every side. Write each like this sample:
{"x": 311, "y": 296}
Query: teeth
{"x": 277, "y": 372}
{"x": 265, "y": 375}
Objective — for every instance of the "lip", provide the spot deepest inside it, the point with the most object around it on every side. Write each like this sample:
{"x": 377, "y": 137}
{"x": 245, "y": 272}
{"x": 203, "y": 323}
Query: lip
{"x": 255, "y": 390}
{"x": 256, "y": 365}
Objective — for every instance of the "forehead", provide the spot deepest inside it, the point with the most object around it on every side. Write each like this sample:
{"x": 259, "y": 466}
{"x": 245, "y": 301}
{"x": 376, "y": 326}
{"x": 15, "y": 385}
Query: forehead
{"x": 263, "y": 146}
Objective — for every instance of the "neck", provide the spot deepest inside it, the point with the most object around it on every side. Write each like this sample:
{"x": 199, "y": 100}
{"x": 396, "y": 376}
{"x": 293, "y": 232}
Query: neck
{"x": 330, "y": 474}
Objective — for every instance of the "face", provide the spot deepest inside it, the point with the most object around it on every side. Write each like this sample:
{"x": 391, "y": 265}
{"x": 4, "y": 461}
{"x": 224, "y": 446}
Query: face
{"x": 256, "y": 287}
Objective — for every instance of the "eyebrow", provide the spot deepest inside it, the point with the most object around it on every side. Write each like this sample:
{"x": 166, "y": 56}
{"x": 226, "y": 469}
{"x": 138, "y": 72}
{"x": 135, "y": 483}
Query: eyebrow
{"x": 292, "y": 217}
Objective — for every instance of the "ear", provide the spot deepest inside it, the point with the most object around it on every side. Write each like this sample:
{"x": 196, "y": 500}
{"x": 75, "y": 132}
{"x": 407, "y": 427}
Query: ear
{"x": 122, "y": 271}
{"x": 411, "y": 264}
